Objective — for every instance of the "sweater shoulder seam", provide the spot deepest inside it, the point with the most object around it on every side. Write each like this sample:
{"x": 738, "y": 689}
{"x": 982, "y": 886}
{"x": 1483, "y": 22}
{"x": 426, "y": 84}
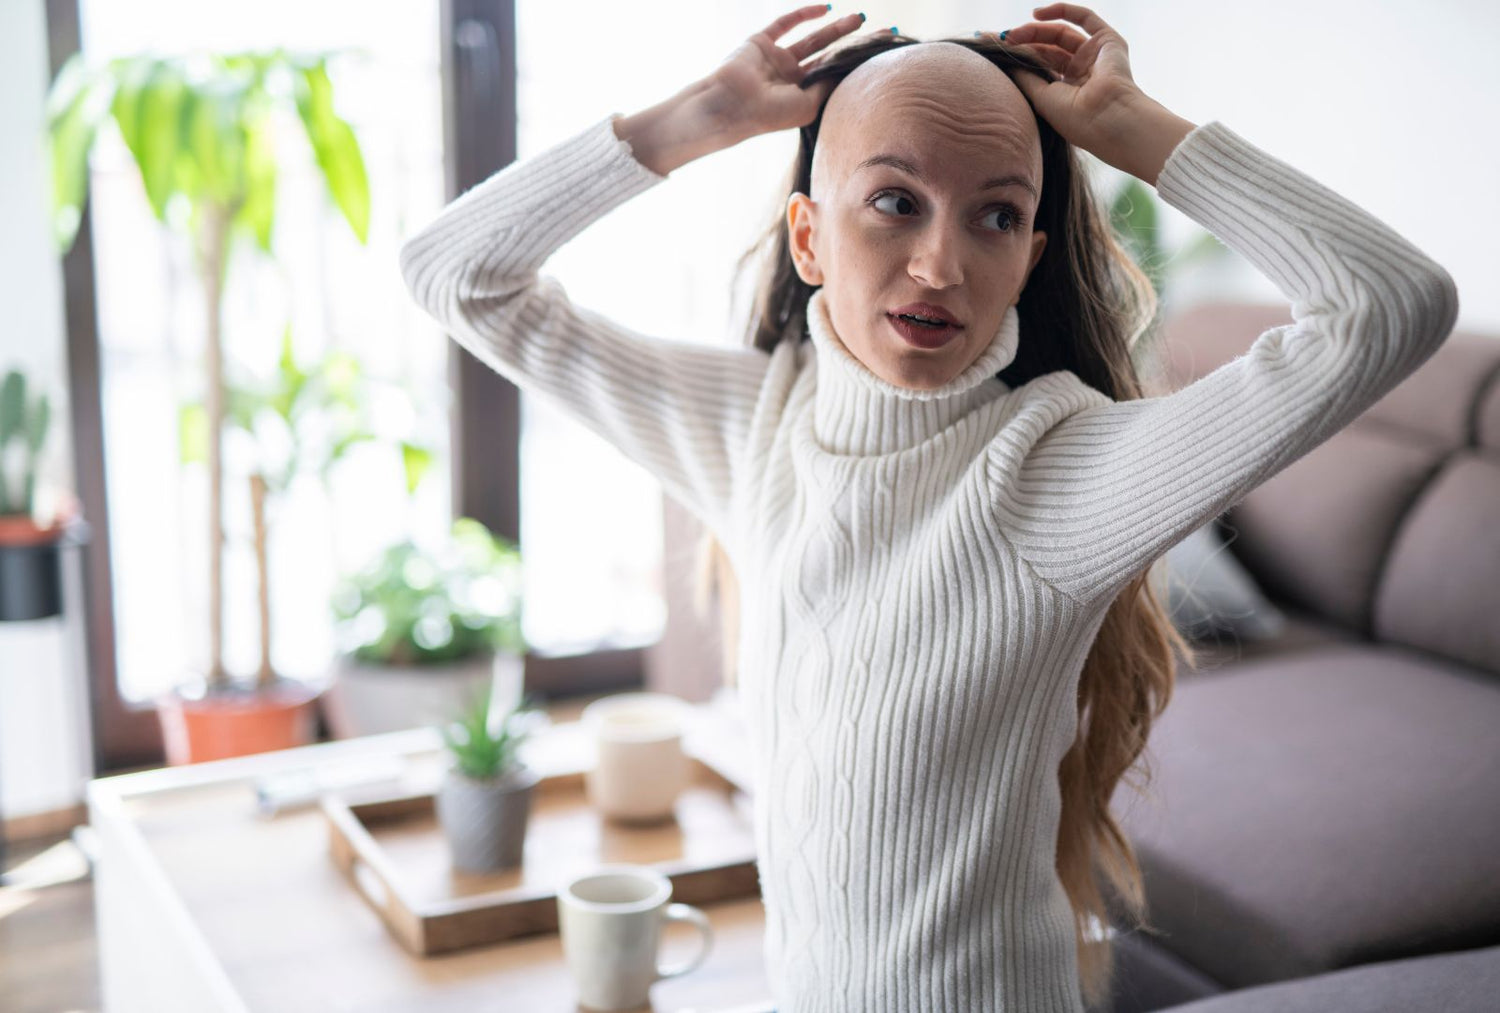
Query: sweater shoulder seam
{"x": 1072, "y": 389}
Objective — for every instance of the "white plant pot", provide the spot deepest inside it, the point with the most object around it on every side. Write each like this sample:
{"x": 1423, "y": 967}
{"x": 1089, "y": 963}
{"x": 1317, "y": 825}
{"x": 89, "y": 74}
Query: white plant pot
{"x": 366, "y": 699}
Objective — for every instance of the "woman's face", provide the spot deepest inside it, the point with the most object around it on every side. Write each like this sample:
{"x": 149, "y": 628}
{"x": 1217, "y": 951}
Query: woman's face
{"x": 925, "y": 183}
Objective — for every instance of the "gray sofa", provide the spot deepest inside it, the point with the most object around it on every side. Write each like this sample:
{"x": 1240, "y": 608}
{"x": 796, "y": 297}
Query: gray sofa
{"x": 1323, "y": 828}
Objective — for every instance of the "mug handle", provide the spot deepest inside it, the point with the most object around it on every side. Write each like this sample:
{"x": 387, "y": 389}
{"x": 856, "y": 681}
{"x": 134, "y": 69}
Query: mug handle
{"x": 686, "y": 913}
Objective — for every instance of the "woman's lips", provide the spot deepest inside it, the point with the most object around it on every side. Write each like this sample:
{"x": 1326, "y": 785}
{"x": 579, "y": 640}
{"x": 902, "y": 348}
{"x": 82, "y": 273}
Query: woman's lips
{"x": 922, "y": 335}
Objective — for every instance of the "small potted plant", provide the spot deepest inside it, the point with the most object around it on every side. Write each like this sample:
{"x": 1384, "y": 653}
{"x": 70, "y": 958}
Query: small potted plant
{"x": 422, "y": 629}
{"x": 484, "y": 801}
{"x": 29, "y": 575}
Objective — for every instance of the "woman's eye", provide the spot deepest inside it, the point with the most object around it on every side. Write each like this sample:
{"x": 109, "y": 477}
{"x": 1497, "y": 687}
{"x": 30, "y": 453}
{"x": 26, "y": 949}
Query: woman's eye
{"x": 894, "y": 202}
{"x": 899, "y": 203}
{"x": 1010, "y": 216}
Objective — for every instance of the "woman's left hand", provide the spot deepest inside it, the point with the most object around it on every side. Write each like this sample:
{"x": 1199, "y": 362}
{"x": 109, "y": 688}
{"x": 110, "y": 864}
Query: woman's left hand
{"x": 1095, "y": 104}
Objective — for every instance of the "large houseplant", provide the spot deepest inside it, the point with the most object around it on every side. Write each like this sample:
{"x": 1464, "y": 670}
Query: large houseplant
{"x": 29, "y": 543}
{"x": 201, "y": 131}
{"x": 421, "y": 629}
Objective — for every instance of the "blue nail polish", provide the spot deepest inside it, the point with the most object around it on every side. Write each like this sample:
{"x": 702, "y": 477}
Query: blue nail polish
{"x": 1004, "y": 34}
{"x": 830, "y": 6}
{"x": 893, "y": 29}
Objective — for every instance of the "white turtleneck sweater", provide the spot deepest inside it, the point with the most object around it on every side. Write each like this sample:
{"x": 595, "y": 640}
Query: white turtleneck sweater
{"x": 922, "y": 573}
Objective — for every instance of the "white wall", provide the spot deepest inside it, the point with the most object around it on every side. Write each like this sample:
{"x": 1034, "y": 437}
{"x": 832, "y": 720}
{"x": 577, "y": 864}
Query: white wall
{"x": 43, "y": 758}
{"x": 1393, "y": 105}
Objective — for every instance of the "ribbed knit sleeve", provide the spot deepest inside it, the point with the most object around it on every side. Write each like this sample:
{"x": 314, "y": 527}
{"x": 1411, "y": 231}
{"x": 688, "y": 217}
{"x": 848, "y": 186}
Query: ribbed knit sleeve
{"x": 1112, "y": 486}
{"x": 680, "y": 410}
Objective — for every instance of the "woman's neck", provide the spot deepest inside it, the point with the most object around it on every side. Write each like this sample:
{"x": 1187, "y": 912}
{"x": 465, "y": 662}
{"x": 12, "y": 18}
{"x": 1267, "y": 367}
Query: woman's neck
{"x": 859, "y": 413}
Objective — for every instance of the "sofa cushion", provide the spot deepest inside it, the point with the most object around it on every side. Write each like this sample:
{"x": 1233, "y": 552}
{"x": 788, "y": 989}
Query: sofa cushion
{"x": 1438, "y": 400}
{"x": 1318, "y": 810}
{"x": 1299, "y": 631}
{"x": 1441, "y": 586}
{"x": 1464, "y": 982}
{"x": 1209, "y": 592}
{"x": 1316, "y": 533}
{"x": 1487, "y": 416}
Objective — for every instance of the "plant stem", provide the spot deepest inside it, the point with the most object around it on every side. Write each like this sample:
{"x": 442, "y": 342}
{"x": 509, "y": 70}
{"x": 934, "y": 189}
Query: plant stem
{"x": 266, "y": 676}
{"x": 214, "y": 236}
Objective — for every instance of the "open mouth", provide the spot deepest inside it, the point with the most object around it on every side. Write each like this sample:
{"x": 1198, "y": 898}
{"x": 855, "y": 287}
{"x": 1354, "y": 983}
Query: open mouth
{"x": 932, "y": 322}
{"x": 923, "y": 331}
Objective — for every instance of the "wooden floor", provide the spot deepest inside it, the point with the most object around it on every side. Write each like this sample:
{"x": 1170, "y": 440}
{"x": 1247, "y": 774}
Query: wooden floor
{"x": 49, "y": 955}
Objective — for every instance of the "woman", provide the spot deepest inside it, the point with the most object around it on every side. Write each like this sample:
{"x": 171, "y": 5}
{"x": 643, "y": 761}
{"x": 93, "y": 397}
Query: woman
{"x": 932, "y": 472}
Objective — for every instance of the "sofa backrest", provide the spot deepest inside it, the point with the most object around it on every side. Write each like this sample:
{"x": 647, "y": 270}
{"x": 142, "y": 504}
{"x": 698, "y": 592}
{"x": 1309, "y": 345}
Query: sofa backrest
{"x": 1390, "y": 528}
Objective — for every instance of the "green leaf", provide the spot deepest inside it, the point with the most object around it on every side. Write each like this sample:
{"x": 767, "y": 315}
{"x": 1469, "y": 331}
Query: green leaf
{"x": 291, "y": 379}
{"x": 259, "y": 208}
{"x": 214, "y": 141}
{"x": 192, "y": 433}
{"x": 132, "y": 74}
{"x": 335, "y": 148}
{"x": 12, "y": 404}
{"x": 415, "y": 462}
{"x": 77, "y": 105}
{"x": 159, "y": 133}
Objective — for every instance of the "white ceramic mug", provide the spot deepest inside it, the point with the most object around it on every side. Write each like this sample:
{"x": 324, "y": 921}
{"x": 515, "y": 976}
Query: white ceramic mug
{"x": 610, "y": 921}
{"x": 639, "y": 767}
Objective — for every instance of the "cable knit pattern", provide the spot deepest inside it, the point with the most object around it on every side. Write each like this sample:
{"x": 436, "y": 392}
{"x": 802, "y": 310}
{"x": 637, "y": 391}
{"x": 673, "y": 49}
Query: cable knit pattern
{"x": 922, "y": 573}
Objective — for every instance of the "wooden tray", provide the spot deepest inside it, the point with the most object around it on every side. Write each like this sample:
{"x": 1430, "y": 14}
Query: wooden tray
{"x": 394, "y": 853}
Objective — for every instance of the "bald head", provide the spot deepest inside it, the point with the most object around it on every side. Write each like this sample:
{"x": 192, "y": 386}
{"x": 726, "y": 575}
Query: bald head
{"x": 926, "y": 182}
{"x": 947, "y": 87}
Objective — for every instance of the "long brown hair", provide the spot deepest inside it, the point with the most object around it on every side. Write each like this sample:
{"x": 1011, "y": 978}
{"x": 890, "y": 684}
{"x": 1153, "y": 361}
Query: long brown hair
{"x": 1098, "y": 304}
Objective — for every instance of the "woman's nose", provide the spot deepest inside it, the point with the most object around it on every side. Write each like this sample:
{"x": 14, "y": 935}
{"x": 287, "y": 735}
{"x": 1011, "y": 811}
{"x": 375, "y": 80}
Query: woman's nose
{"x": 936, "y": 260}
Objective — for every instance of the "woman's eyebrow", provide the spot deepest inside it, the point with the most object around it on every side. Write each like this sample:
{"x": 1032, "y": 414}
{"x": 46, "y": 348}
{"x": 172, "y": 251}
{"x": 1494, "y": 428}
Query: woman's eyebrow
{"x": 904, "y": 165}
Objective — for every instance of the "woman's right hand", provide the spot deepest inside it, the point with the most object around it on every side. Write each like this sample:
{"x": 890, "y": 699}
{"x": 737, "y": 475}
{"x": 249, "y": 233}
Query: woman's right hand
{"x": 758, "y": 89}
{"x": 755, "y": 91}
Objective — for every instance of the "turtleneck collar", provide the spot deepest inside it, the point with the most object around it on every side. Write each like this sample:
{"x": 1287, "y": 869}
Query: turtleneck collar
{"x": 857, "y": 412}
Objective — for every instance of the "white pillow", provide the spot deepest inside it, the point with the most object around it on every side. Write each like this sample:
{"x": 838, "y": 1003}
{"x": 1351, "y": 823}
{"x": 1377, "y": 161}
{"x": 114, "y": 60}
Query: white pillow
{"x": 1208, "y": 592}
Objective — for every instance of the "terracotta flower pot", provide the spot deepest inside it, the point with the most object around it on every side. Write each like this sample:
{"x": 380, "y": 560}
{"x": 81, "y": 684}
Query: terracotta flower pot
{"x": 237, "y": 722}
{"x": 485, "y": 821}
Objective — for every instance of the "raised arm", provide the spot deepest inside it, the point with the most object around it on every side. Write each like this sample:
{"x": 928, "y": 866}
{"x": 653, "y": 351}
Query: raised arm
{"x": 680, "y": 410}
{"x": 1113, "y": 486}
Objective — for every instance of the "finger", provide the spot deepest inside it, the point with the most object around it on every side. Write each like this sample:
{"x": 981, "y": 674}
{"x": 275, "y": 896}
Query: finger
{"x": 1076, "y": 13}
{"x": 1032, "y": 85}
{"x": 1058, "y": 35}
{"x": 776, "y": 29}
{"x": 1089, "y": 51}
{"x": 804, "y": 48}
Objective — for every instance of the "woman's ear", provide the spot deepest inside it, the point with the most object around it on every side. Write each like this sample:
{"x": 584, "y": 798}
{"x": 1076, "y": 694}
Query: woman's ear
{"x": 800, "y": 210}
{"x": 1038, "y": 244}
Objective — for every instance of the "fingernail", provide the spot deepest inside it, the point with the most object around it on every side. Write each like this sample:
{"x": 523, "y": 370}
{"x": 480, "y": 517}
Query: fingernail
{"x": 830, "y": 6}
{"x": 861, "y": 17}
{"x": 1004, "y": 34}
{"x": 893, "y": 29}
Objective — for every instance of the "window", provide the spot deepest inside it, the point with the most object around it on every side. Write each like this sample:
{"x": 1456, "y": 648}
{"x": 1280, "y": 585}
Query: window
{"x": 336, "y": 293}
{"x": 661, "y": 263}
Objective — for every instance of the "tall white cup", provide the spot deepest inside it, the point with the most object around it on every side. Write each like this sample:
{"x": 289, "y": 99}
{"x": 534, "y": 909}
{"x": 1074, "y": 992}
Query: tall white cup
{"x": 610, "y": 921}
{"x": 640, "y": 767}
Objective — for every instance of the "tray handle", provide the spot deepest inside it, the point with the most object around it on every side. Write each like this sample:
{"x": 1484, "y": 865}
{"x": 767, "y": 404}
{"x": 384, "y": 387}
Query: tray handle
{"x": 371, "y": 885}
